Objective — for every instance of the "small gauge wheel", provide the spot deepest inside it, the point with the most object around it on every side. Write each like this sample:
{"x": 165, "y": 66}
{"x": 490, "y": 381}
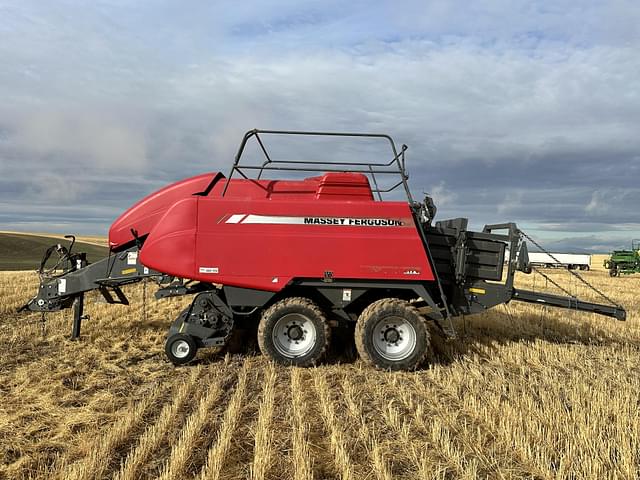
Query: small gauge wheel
{"x": 181, "y": 348}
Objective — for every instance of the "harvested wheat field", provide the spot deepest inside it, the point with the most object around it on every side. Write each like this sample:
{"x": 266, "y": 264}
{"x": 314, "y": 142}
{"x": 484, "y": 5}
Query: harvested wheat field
{"x": 527, "y": 392}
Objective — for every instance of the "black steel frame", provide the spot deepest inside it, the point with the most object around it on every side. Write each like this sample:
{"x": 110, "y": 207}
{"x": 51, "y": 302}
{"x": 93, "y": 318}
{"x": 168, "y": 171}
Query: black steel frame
{"x": 396, "y": 166}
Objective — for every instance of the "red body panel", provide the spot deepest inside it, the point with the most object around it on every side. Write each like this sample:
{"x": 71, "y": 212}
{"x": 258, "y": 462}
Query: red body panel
{"x": 262, "y": 234}
{"x": 171, "y": 246}
{"x": 145, "y": 214}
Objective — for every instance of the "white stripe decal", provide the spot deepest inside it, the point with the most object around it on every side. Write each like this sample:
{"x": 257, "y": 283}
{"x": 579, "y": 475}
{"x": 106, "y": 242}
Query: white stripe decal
{"x": 236, "y": 218}
{"x": 274, "y": 220}
{"x": 329, "y": 221}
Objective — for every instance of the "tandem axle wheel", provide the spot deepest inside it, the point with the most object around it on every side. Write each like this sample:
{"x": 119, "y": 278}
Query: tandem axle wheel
{"x": 294, "y": 331}
{"x": 392, "y": 335}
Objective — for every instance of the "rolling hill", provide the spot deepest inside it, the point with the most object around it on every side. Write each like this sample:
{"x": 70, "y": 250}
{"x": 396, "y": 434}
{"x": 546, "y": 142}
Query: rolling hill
{"x": 23, "y": 251}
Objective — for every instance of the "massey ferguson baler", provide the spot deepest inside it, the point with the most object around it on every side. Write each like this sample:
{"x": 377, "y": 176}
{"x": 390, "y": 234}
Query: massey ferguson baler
{"x": 299, "y": 257}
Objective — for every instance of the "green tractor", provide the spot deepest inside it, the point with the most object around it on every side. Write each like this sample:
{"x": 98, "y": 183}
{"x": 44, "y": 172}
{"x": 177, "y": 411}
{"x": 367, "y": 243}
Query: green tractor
{"x": 624, "y": 261}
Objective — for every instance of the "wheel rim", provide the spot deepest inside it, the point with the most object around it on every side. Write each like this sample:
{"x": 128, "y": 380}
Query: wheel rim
{"x": 294, "y": 335}
{"x": 180, "y": 349}
{"x": 394, "y": 338}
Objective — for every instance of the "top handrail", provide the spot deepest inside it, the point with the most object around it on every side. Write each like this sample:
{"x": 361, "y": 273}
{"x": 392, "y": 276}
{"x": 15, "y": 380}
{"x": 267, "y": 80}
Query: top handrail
{"x": 398, "y": 158}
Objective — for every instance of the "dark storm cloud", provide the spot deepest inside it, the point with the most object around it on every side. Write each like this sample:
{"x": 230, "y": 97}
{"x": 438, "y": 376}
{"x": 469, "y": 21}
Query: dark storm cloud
{"x": 515, "y": 111}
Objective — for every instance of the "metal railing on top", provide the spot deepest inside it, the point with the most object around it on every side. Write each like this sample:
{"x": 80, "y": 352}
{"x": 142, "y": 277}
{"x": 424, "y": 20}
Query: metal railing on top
{"x": 395, "y": 166}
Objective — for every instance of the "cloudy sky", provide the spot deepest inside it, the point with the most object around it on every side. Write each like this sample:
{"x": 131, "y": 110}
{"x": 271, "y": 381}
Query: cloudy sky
{"x": 512, "y": 110}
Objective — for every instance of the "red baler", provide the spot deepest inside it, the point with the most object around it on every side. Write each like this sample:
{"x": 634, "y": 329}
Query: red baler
{"x": 299, "y": 256}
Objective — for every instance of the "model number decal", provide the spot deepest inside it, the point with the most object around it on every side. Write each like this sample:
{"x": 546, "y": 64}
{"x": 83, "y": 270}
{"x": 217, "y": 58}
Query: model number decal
{"x": 339, "y": 221}
{"x": 208, "y": 270}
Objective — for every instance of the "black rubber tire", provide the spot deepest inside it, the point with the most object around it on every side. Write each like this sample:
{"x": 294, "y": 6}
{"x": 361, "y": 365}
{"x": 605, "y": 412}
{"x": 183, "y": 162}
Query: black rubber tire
{"x": 193, "y": 348}
{"x": 302, "y": 306}
{"x": 387, "y": 307}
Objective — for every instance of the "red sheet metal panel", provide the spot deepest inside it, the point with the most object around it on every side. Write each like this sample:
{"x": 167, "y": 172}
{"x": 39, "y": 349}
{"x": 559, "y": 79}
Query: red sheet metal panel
{"x": 262, "y": 234}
